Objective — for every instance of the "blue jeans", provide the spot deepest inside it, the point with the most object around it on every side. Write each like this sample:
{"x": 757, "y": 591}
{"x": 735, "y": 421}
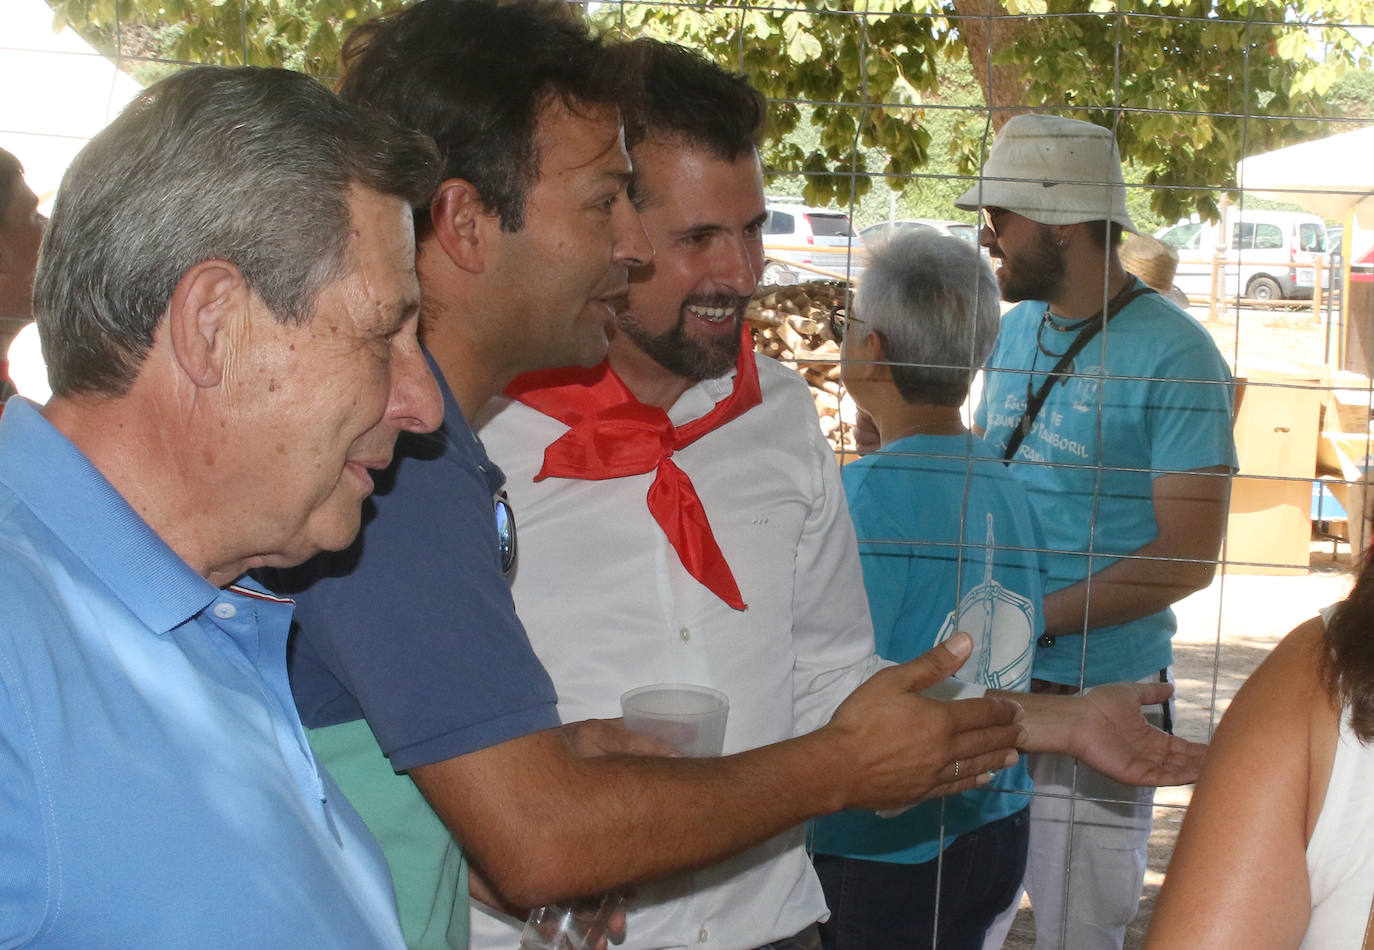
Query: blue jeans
{"x": 877, "y": 904}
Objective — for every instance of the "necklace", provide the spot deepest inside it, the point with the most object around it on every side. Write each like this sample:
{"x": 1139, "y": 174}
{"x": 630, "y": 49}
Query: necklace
{"x": 1081, "y": 326}
{"x": 1048, "y": 321}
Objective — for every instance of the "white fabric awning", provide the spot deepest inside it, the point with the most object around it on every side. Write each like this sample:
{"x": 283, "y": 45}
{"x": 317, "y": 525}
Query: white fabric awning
{"x": 1332, "y": 177}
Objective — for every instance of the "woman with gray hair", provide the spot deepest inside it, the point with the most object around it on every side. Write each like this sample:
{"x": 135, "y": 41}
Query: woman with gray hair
{"x": 948, "y": 543}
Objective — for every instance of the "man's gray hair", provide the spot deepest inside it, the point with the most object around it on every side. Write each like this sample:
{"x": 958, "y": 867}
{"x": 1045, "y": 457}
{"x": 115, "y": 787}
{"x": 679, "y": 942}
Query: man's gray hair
{"x": 248, "y": 166}
{"x": 936, "y": 304}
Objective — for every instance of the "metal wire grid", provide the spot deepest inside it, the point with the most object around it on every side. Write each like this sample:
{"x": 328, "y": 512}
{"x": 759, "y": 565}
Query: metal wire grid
{"x": 127, "y": 53}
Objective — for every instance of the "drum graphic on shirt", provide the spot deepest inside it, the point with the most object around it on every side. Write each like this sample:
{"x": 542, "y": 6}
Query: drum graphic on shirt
{"x": 1002, "y": 624}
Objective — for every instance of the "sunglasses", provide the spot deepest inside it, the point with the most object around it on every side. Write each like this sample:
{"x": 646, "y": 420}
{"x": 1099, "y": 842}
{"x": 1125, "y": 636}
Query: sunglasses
{"x": 505, "y": 534}
{"x": 839, "y": 324}
{"x": 991, "y": 217}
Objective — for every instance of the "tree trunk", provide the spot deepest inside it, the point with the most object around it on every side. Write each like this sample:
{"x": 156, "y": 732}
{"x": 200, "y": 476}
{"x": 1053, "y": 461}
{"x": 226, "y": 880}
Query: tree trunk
{"x": 987, "y": 28}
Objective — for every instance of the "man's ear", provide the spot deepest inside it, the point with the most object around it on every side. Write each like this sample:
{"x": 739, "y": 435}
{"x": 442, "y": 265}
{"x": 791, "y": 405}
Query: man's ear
{"x": 866, "y": 344}
{"x": 207, "y": 301}
{"x": 864, "y": 353}
{"x": 462, "y": 224}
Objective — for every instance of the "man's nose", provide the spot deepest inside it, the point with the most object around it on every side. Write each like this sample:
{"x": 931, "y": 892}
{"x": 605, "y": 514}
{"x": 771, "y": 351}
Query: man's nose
{"x": 416, "y": 404}
{"x": 632, "y": 245}
{"x": 739, "y": 267}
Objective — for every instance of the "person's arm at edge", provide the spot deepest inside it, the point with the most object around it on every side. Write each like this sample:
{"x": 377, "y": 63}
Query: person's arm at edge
{"x": 1190, "y": 512}
{"x": 543, "y": 824}
{"x": 1238, "y": 878}
{"x": 1104, "y": 728}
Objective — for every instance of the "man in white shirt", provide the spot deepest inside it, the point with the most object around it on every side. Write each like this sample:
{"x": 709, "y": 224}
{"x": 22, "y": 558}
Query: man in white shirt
{"x": 682, "y": 519}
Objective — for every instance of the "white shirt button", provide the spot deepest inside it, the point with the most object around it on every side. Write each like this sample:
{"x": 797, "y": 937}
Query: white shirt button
{"x": 703, "y": 934}
{"x": 225, "y": 611}
{"x": 685, "y": 634}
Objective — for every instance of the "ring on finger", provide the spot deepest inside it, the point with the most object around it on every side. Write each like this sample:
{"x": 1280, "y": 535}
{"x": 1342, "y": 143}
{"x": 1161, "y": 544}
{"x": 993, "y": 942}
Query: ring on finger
{"x": 956, "y": 768}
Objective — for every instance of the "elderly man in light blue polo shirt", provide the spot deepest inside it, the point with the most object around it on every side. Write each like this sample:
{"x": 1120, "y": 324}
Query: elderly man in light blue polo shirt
{"x": 228, "y": 304}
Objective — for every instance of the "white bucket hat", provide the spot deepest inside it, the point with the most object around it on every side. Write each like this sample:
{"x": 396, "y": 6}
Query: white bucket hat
{"x": 1052, "y": 170}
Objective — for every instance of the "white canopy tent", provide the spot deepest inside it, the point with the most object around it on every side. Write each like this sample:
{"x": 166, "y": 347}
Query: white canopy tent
{"x": 1332, "y": 177}
{"x": 58, "y": 92}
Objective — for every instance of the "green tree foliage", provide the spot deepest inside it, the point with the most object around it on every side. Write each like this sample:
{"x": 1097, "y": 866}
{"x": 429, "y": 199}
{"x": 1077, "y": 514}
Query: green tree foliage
{"x": 861, "y": 88}
{"x": 1190, "y": 86}
{"x": 300, "y": 34}
{"x": 1352, "y": 97}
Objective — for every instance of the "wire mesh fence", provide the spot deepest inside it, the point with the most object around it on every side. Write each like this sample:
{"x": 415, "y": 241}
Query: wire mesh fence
{"x": 884, "y": 112}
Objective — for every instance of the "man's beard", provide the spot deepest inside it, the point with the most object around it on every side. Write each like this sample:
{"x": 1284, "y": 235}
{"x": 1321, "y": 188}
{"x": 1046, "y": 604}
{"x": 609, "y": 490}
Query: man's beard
{"x": 1036, "y": 274}
{"x": 683, "y": 355}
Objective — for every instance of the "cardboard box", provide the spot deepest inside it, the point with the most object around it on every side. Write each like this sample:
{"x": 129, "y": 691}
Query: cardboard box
{"x": 1269, "y": 527}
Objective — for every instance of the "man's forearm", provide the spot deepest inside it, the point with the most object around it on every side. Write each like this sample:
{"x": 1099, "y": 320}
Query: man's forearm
{"x": 544, "y": 824}
{"x": 1190, "y": 515}
{"x": 1133, "y": 587}
{"x": 571, "y": 826}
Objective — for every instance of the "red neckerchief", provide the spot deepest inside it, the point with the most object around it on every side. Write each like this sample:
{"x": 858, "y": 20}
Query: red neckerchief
{"x": 612, "y": 434}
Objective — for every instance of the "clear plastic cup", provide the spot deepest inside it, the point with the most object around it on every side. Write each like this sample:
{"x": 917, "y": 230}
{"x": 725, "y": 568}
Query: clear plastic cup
{"x": 571, "y": 925}
{"x": 687, "y": 717}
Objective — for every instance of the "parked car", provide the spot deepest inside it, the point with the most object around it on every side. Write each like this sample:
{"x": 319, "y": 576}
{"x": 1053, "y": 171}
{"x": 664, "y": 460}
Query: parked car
{"x": 802, "y": 243}
{"x": 1262, "y": 253}
{"x": 884, "y": 230}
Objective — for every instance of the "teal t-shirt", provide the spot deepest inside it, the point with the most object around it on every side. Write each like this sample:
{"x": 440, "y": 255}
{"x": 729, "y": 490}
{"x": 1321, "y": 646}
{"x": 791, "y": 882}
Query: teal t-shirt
{"x": 948, "y": 542}
{"x": 427, "y": 865}
{"x": 1150, "y": 395}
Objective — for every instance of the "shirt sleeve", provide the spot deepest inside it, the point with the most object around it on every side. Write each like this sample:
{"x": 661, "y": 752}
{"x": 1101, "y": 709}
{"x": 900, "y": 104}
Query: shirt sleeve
{"x": 414, "y": 626}
{"x": 831, "y": 629}
{"x": 1188, "y": 417}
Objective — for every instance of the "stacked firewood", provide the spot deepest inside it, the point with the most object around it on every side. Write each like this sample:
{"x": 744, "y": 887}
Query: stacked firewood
{"x": 794, "y": 323}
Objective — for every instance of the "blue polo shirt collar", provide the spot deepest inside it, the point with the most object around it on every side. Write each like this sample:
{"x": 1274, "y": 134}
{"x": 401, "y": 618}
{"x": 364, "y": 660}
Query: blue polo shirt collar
{"x": 70, "y": 496}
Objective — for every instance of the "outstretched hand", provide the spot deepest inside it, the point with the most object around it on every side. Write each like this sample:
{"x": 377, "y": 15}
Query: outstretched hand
{"x": 1113, "y": 736}
{"x": 900, "y": 747}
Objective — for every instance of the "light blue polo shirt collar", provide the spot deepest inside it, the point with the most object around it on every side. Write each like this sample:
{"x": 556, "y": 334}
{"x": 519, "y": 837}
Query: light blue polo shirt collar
{"x": 70, "y": 496}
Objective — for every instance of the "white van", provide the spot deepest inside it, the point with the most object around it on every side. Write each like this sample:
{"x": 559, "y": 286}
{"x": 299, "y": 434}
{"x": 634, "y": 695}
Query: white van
{"x": 1261, "y": 258}
{"x": 802, "y": 243}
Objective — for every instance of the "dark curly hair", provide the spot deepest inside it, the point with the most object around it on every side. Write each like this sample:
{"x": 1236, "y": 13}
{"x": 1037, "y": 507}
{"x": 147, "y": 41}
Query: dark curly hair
{"x": 474, "y": 75}
{"x": 675, "y": 93}
{"x": 1348, "y": 660}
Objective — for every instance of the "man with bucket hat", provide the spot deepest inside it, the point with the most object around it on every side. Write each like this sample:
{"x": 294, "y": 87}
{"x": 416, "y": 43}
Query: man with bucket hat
{"x": 1113, "y": 407}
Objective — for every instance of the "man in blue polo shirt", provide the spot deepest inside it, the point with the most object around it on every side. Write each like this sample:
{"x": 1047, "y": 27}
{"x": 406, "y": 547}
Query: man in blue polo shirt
{"x": 229, "y": 305}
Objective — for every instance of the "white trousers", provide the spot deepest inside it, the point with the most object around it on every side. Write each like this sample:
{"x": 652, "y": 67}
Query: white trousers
{"x": 1089, "y": 837}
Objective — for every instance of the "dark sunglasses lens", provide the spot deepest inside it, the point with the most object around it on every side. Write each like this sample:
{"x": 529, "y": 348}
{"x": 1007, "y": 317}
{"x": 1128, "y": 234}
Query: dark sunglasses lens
{"x": 837, "y": 326}
{"x": 505, "y": 534}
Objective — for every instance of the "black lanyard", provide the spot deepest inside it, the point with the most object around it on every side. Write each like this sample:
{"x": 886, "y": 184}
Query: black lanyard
{"x": 1037, "y": 402}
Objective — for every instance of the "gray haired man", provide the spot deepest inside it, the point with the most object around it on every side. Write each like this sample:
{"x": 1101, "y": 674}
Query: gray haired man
{"x": 1114, "y": 407}
{"x": 228, "y": 302}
